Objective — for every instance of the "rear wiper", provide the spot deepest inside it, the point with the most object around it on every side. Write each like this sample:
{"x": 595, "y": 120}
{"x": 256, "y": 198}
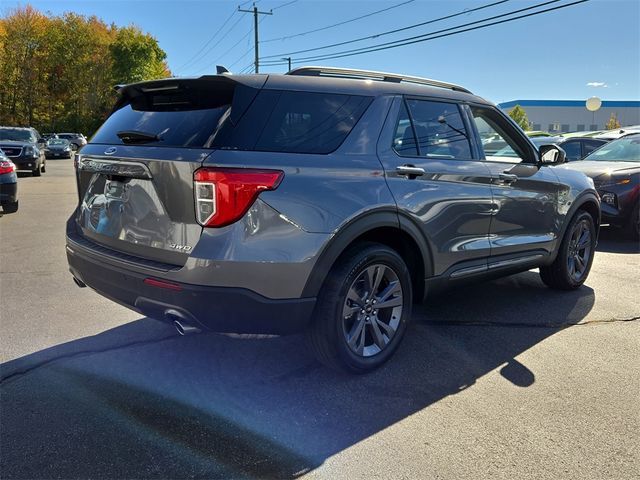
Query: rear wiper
{"x": 136, "y": 136}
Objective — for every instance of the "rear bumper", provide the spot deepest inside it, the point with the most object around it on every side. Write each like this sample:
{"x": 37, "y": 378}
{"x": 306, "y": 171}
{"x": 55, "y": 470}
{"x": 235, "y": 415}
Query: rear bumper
{"x": 25, "y": 163}
{"x": 58, "y": 154}
{"x": 220, "y": 309}
{"x": 8, "y": 193}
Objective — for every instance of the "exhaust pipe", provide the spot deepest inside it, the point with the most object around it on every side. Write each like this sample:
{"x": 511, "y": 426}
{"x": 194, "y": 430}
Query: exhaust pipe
{"x": 79, "y": 283}
{"x": 183, "y": 326}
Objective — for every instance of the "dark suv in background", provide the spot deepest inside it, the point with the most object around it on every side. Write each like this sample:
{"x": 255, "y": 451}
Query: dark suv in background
{"x": 324, "y": 200}
{"x": 25, "y": 148}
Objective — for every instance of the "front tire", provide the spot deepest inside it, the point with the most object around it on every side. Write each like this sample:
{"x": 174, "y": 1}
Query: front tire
{"x": 573, "y": 263}
{"x": 632, "y": 229}
{"x": 363, "y": 309}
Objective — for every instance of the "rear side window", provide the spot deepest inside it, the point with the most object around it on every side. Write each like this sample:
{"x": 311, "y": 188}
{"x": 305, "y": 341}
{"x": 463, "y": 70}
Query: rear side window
{"x": 294, "y": 122}
{"x": 432, "y": 129}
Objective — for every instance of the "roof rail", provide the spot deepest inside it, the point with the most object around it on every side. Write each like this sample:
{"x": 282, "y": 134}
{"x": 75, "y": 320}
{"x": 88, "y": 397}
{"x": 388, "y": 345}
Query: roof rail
{"x": 313, "y": 71}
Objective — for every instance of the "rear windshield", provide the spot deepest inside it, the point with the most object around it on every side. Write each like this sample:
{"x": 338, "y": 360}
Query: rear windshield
{"x": 236, "y": 117}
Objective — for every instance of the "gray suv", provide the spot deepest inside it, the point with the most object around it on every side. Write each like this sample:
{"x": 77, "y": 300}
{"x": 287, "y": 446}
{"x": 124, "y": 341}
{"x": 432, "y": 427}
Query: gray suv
{"x": 324, "y": 201}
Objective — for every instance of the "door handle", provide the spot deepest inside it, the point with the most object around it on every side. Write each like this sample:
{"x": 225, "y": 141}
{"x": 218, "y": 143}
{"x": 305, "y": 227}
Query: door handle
{"x": 410, "y": 171}
{"x": 507, "y": 177}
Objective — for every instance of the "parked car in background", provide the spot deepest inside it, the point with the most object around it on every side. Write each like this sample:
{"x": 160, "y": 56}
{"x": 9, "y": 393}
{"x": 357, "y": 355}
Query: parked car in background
{"x": 576, "y": 148}
{"x": 618, "y": 132}
{"x": 615, "y": 169}
{"x": 58, "y": 148}
{"x": 325, "y": 200}
{"x": 8, "y": 185}
{"x": 77, "y": 140}
{"x": 25, "y": 148}
{"x": 537, "y": 133}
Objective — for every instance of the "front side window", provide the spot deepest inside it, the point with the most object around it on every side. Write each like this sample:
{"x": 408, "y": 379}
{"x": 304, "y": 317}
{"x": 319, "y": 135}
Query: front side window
{"x": 433, "y": 129}
{"x": 498, "y": 143}
{"x": 590, "y": 145}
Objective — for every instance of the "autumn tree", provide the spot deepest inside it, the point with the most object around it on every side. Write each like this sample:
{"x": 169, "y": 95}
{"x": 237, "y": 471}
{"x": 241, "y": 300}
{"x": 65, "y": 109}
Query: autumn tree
{"x": 519, "y": 116}
{"x": 613, "y": 122}
{"x": 57, "y": 72}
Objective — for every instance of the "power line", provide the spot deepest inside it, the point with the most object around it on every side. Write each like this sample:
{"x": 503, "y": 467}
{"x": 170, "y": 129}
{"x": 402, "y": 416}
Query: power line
{"x": 245, "y": 53}
{"x": 221, "y": 56}
{"x": 240, "y": 57}
{"x": 419, "y": 39}
{"x": 208, "y": 42}
{"x": 216, "y": 44}
{"x": 389, "y": 32}
{"x": 288, "y": 37}
{"x": 284, "y": 4}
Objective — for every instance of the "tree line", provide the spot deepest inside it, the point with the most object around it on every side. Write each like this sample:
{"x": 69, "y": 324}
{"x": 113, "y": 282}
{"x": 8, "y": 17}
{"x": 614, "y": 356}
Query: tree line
{"x": 57, "y": 73}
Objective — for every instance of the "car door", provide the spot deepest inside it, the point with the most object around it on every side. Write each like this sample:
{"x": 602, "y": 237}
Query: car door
{"x": 437, "y": 184}
{"x": 525, "y": 222}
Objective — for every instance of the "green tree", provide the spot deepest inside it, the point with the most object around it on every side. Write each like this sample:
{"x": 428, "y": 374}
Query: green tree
{"x": 519, "y": 116}
{"x": 613, "y": 122}
{"x": 137, "y": 56}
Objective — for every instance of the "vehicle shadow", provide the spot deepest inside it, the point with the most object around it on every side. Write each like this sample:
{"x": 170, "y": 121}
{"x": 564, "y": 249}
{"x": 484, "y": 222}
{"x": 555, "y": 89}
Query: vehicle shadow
{"x": 140, "y": 402}
{"x": 613, "y": 240}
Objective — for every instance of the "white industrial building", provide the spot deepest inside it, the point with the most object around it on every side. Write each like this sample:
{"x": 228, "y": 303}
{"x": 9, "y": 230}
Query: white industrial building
{"x": 573, "y": 116}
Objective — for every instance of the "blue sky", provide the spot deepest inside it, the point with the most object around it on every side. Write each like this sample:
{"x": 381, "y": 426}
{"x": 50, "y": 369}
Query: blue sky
{"x": 573, "y": 53}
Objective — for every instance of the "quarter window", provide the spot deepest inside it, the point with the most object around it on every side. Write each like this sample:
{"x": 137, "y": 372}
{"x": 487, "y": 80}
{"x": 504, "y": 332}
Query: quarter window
{"x": 433, "y": 129}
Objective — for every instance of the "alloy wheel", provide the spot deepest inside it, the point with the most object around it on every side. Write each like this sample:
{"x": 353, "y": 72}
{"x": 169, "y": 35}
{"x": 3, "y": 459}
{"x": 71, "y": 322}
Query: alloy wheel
{"x": 580, "y": 245}
{"x": 372, "y": 310}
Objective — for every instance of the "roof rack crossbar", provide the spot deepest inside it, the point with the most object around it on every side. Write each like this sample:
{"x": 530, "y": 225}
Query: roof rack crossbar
{"x": 372, "y": 75}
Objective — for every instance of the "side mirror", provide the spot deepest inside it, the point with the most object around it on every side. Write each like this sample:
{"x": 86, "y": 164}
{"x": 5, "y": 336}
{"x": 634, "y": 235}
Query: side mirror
{"x": 551, "y": 154}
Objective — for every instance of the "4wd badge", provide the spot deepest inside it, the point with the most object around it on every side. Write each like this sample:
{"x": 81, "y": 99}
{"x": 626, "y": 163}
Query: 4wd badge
{"x": 182, "y": 248}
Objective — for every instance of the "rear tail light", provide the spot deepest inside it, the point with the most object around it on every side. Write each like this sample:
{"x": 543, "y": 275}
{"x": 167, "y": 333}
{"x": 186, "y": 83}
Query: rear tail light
{"x": 223, "y": 195}
{"x": 7, "y": 166}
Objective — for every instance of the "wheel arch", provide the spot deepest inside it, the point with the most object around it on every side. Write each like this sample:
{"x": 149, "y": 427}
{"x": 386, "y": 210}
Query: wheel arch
{"x": 384, "y": 227}
{"x": 588, "y": 202}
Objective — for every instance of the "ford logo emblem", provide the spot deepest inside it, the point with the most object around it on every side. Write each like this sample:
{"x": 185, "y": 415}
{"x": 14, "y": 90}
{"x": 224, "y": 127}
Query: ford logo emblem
{"x": 110, "y": 151}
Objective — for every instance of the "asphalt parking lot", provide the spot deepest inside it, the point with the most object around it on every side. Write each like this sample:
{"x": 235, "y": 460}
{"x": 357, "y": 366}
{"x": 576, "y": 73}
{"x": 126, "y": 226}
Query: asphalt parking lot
{"x": 506, "y": 379}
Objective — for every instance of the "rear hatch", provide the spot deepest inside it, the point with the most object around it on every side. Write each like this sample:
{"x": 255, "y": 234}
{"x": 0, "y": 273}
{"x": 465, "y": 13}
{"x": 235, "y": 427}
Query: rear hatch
{"x": 135, "y": 177}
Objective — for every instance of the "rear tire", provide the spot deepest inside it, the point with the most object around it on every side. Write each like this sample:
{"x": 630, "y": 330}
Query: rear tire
{"x": 362, "y": 310}
{"x": 10, "y": 208}
{"x": 573, "y": 263}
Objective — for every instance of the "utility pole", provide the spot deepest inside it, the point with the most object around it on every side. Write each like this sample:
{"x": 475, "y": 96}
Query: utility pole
{"x": 288, "y": 59}
{"x": 255, "y": 12}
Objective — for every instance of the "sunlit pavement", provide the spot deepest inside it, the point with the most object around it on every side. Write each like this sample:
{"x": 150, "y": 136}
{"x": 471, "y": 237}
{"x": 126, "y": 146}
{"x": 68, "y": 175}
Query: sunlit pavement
{"x": 506, "y": 379}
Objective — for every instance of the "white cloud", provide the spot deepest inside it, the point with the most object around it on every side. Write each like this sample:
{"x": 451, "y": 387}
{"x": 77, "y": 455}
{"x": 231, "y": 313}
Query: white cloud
{"x": 597, "y": 84}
